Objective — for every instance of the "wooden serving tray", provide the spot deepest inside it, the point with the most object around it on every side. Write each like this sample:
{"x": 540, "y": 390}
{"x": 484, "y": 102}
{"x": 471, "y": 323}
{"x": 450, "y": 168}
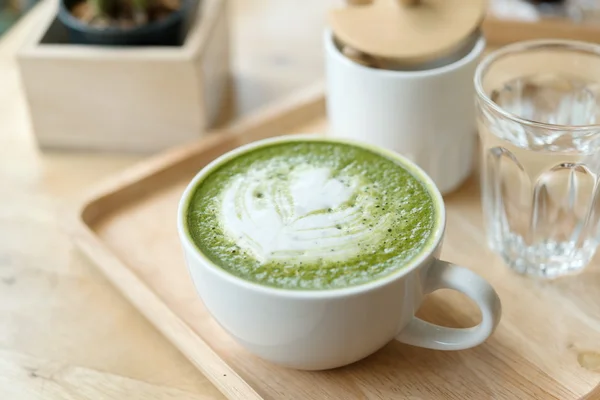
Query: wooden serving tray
{"x": 547, "y": 345}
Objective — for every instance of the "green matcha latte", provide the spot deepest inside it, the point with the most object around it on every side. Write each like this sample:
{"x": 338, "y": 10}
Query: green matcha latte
{"x": 310, "y": 214}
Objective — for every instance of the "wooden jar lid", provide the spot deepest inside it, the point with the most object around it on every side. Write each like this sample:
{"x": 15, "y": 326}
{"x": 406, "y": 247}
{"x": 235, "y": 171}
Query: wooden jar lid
{"x": 411, "y": 31}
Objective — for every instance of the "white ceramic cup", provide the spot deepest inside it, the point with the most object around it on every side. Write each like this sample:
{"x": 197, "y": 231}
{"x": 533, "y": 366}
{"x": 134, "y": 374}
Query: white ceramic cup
{"x": 426, "y": 115}
{"x": 322, "y": 329}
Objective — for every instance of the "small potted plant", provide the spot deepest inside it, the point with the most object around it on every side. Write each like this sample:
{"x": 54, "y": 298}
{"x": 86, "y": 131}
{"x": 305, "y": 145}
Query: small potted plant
{"x": 124, "y": 22}
{"x": 125, "y": 75}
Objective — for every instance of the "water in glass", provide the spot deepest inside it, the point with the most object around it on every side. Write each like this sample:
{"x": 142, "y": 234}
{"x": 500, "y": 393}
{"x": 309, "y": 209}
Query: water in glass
{"x": 540, "y": 182}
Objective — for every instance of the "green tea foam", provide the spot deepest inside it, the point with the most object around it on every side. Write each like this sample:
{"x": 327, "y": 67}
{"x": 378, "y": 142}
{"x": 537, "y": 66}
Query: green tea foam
{"x": 310, "y": 215}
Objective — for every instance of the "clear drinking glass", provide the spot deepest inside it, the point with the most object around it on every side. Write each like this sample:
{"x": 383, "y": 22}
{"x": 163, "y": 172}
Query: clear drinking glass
{"x": 539, "y": 122}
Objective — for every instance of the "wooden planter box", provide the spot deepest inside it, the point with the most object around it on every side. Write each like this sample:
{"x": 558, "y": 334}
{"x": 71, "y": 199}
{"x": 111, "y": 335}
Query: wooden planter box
{"x": 125, "y": 99}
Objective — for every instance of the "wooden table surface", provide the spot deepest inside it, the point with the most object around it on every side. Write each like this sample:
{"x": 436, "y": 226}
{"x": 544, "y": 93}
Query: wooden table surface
{"x": 65, "y": 332}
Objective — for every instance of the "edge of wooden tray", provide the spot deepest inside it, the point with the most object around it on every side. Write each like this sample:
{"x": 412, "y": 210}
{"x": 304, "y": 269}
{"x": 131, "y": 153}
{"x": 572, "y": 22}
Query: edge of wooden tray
{"x": 77, "y": 217}
{"x": 499, "y": 32}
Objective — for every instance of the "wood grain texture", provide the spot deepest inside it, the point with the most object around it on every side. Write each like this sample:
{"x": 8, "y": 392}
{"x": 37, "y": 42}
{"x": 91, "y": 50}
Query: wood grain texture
{"x": 65, "y": 332}
{"x": 499, "y": 32}
{"x": 544, "y": 347}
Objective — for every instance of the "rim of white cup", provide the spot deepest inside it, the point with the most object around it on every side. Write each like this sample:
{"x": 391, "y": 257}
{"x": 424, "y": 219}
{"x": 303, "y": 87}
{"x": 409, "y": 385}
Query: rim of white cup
{"x": 472, "y": 56}
{"x": 426, "y": 252}
{"x": 522, "y": 47}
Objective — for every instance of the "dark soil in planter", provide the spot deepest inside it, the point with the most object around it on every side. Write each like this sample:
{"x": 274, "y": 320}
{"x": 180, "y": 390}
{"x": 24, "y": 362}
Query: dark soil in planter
{"x": 122, "y": 15}
{"x": 161, "y": 25}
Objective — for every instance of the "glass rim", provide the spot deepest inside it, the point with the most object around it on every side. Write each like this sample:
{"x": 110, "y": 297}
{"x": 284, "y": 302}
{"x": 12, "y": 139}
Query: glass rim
{"x": 521, "y": 47}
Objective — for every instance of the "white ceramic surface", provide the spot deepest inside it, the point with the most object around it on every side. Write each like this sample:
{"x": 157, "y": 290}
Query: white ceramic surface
{"x": 426, "y": 115}
{"x": 321, "y": 329}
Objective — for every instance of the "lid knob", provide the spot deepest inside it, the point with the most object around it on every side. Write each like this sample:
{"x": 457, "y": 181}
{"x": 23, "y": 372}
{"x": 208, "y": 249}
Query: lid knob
{"x": 408, "y": 3}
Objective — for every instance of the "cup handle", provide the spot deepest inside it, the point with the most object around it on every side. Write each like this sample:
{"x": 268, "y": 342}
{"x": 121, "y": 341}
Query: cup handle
{"x": 446, "y": 275}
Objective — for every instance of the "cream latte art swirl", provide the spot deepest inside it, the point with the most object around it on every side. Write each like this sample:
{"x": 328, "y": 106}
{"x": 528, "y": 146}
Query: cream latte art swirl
{"x": 305, "y": 216}
{"x": 311, "y": 214}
